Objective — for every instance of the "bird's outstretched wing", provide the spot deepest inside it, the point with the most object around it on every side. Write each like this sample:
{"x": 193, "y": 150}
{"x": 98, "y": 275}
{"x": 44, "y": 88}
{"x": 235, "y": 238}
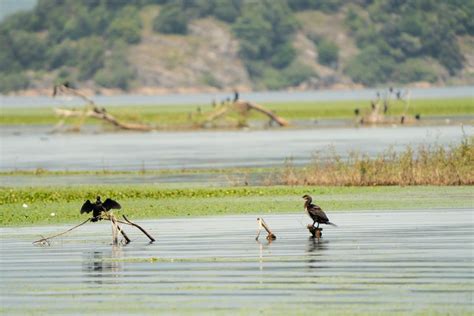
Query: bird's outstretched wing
{"x": 110, "y": 204}
{"x": 87, "y": 207}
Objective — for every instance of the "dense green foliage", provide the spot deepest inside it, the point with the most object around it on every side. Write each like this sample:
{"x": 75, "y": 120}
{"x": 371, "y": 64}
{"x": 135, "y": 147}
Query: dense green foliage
{"x": 404, "y": 33}
{"x": 69, "y": 36}
{"x": 265, "y": 30}
{"x": 172, "y": 19}
{"x": 328, "y": 53}
{"x": 398, "y": 41}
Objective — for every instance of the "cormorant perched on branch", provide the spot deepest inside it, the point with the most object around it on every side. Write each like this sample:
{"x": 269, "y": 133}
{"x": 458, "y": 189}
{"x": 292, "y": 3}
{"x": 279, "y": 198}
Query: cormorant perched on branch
{"x": 98, "y": 207}
{"x": 315, "y": 212}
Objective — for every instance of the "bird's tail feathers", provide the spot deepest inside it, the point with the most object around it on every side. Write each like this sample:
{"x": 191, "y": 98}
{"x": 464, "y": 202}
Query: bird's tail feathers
{"x": 332, "y": 224}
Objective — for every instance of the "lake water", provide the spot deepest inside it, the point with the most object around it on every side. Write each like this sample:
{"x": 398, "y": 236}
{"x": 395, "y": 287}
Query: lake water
{"x": 34, "y": 148}
{"x": 206, "y": 98}
{"x": 374, "y": 262}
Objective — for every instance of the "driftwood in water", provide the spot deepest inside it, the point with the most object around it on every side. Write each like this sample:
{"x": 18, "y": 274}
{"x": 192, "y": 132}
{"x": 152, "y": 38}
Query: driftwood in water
{"x": 101, "y": 114}
{"x": 243, "y": 107}
{"x": 91, "y": 110}
{"x": 115, "y": 230}
{"x": 66, "y": 88}
{"x": 140, "y": 228}
{"x": 45, "y": 240}
{"x": 315, "y": 232}
{"x": 262, "y": 224}
{"x": 279, "y": 120}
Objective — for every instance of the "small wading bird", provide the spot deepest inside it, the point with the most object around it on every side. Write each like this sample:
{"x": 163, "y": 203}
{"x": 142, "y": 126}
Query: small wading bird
{"x": 98, "y": 207}
{"x": 315, "y": 212}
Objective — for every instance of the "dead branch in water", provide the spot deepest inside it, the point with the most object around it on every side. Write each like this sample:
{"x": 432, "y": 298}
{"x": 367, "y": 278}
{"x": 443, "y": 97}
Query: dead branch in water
{"x": 262, "y": 224}
{"x": 243, "y": 107}
{"x": 115, "y": 228}
{"x": 139, "y": 227}
{"x": 259, "y": 108}
{"x": 102, "y": 114}
{"x": 92, "y": 111}
{"x": 46, "y": 239}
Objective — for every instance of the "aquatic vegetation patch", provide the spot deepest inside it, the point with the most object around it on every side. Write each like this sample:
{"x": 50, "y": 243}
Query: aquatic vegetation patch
{"x": 150, "y": 201}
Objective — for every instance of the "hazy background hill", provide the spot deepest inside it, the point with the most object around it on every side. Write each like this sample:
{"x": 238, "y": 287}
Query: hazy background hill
{"x": 150, "y": 46}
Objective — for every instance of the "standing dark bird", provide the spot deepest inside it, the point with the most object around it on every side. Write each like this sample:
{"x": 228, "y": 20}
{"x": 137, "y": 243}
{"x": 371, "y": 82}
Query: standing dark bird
{"x": 236, "y": 95}
{"x": 315, "y": 212}
{"x": 98, "y": 207}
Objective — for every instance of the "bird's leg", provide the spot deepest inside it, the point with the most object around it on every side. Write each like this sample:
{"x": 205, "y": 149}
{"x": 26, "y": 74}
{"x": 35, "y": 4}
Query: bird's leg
{"x": 314, "y": 223}
{"x": 318, "y": 226}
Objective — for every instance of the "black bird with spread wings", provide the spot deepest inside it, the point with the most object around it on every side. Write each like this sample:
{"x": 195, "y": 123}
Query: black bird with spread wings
{"x": 98, "y": 207}
{"x": 315, "y": 212}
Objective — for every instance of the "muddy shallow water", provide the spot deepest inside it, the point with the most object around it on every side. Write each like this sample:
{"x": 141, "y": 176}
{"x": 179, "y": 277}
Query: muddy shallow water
{"x": 375, "y": 262}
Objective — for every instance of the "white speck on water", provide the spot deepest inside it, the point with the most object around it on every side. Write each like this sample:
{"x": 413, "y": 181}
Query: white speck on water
{"x": 25, "y": 205}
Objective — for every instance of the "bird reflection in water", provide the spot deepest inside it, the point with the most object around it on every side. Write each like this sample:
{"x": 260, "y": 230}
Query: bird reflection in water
{"x": 103, "y": 266}
{"x": 314, "y": 251}
{"x": 262, "y": 247}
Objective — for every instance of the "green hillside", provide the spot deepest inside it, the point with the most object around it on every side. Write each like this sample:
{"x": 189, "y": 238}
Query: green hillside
{"x": 220, "y": 44}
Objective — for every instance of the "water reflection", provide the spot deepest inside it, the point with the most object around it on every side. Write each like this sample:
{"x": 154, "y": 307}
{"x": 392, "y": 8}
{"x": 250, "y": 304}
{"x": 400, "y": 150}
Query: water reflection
{"x": 314, "y": 251}
{"x": 103, "y": 266}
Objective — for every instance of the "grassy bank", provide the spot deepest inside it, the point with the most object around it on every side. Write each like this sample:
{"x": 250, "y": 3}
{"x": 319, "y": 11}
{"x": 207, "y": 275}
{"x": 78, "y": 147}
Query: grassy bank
{"x": 148, "y": 201}
{"x": 423, "y": 165}
{"x": 177, "y": 116}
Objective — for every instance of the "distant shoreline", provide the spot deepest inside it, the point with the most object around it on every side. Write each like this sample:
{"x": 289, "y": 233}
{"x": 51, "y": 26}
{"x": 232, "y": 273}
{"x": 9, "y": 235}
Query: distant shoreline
{"x": 194, "y": 98}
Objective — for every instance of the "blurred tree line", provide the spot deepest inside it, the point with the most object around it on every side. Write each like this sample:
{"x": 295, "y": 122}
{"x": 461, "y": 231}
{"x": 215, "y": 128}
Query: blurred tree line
{"x": 88, "y": 40}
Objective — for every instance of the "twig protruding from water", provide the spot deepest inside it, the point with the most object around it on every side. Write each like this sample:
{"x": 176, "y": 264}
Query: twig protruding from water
{"x": 46, "y": 239}
{"x": 262, "y": 224}
{"x": 139, "y": 227}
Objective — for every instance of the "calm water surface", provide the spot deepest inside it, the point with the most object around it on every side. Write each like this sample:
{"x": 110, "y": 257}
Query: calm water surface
{"x": 205, "y": 98}
{"x": 374, "y": 262}
{"x": 35, "y": 148}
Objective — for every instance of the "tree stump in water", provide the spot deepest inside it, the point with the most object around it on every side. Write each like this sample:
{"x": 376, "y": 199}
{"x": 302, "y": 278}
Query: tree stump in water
{"x": 315, "y": 232}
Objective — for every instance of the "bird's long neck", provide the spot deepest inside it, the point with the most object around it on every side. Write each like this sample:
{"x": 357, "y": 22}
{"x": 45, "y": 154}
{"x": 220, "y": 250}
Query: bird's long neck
{"x": 307, "y": 203}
